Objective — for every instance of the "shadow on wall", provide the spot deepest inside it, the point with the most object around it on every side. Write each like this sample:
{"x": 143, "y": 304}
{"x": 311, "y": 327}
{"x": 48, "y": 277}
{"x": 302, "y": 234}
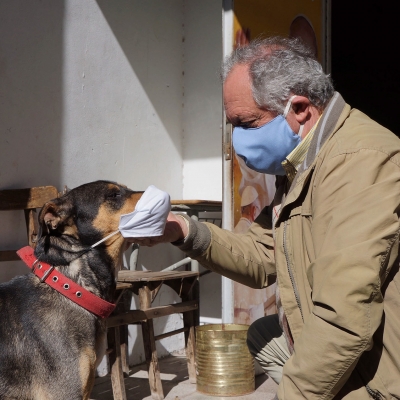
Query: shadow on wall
{"x": 139, "y": 33}
{"x": 31, "y": 44}
{"x": 149, "y": 41}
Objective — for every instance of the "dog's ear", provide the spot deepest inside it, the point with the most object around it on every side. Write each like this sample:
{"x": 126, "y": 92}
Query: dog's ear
{"x": 49, "y": 217}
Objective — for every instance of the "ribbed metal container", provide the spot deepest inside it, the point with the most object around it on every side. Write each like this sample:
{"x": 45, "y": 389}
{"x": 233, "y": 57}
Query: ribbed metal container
{"x": 224, "y": 364}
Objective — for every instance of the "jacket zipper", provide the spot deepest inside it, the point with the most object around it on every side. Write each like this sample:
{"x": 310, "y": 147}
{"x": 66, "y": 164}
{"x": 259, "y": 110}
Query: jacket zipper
{"x": 375, "y": 395}
{"x": 296, "y": 293}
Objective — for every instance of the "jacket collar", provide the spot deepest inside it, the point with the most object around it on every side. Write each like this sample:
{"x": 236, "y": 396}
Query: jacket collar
{"x": 68, "y": 288}
{"x": 297, "y": 156}
{"x": 328, "y": 124}
{"x": 331, "y": 120}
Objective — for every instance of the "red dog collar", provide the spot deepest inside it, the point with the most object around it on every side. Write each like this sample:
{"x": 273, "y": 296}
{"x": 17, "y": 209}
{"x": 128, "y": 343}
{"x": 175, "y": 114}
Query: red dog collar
{"x": 68, "y": 288}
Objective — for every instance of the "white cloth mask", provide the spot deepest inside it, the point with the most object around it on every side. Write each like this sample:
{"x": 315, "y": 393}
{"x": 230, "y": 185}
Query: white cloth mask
{"x": 147, "y": 220}
{"x": 149, "y": 217}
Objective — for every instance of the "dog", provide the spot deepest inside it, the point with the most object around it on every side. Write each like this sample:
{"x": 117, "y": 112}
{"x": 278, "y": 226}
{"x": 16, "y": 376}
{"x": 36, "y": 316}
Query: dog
{"x": 49, "y": 345}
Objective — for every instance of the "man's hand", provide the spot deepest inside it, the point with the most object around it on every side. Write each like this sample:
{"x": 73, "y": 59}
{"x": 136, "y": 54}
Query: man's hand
{"x": 175, "y": 229}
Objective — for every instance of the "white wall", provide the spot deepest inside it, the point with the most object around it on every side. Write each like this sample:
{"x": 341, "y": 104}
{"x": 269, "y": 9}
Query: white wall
{"x": 125, "y": 90}
{"x": 122, "y": 114}
{"x": 202, "y": 112}
{"x": 31, "y": 99}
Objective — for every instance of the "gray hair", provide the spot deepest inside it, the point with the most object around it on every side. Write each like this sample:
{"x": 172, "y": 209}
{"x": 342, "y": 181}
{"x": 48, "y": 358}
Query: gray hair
{"x": 280, "y": 68}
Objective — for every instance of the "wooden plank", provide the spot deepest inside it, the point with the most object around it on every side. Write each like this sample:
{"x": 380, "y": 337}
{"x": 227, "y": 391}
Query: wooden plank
{"x": 135, "y": 316}
{"x": 19, "y": 199}
{"x": 194, "y": 207}
{"x": 9, "y": 255}
{"x": 196, "y": 202}
{"x": 150, "y": 276}
{"x": 168, "y": 334}
{"x": 123, "y": 285}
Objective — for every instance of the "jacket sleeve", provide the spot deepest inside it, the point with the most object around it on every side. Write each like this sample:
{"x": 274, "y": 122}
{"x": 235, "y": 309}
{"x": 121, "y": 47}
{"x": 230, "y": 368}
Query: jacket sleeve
{"x": 246, "y": 258}
{"x": 355, "y": 225}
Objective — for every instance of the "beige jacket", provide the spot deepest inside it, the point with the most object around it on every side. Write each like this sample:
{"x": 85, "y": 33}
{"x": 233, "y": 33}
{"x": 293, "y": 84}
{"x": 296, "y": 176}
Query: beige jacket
{"x": 335, "y": 257}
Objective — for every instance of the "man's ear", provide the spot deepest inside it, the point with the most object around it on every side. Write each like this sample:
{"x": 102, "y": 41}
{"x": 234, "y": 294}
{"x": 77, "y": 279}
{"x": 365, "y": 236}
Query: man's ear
{"x": 301, "y": 108}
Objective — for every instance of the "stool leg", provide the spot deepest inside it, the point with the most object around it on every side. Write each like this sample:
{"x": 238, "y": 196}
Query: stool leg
{"x": 191, "y": 320}
{"x": 124, "y": 349}
{"x": 190, "y": 346}
{"x": 150, "y": 347}
{"x": 117, "y": 376}
{"x": 124, "y": 305}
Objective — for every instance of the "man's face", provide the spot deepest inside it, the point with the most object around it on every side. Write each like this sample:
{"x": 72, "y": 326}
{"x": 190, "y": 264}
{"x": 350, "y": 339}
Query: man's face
{"x": 240, "y": 107}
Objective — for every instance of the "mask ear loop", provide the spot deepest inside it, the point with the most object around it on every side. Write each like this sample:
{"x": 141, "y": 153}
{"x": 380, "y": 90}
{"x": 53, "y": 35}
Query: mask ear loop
{"x": 82, "y": 252}
{"x": 300, "y": 132}
{"x": 288, "y": 105}
{"x": 285, "y": 113}
{"x": 104, "y": 239}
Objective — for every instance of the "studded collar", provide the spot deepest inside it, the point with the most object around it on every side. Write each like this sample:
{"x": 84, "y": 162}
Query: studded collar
{"x": 68, "y": 288}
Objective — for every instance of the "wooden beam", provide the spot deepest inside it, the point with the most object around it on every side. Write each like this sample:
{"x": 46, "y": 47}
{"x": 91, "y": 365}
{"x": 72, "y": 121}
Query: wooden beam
{"x": 152, "y": 276}
{"x": 135, "y": 316}
{"x": 9, "y": 255}
{"x": 168, "y": 334}
{"x": 19, "y": 199}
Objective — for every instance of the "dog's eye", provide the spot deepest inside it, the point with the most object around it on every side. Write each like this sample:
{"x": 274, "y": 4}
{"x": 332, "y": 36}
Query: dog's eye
{"x": 114, "y": 195}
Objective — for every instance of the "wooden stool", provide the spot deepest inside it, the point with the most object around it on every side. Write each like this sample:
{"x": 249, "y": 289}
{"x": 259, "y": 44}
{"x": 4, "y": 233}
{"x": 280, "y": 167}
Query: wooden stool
{"x": 146, "y": 285}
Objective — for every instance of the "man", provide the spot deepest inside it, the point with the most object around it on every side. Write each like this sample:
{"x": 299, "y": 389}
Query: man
{"x": 330, "y": 238}
{"x": 249, "y": 209}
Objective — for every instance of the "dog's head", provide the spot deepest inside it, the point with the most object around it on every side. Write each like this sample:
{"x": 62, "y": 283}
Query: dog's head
{"x": 82, "y": 217}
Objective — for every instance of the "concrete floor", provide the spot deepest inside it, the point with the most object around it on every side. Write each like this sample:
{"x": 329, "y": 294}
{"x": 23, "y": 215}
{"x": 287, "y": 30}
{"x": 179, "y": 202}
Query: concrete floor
{"x": 175, "y": 383}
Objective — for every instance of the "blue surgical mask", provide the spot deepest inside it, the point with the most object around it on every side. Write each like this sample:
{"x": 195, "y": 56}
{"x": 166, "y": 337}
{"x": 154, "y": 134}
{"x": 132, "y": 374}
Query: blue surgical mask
{"x": 264, "y": 148}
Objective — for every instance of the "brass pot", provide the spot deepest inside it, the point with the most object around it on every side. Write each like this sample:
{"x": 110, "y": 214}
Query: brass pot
{"x": 224, "y": 365}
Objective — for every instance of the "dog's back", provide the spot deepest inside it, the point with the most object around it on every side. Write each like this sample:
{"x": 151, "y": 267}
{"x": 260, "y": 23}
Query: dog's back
{"x": 42, "y": 342}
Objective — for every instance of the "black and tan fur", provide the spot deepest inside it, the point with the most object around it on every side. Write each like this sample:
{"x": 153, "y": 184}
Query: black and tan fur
{"x": 49, "y": 346}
